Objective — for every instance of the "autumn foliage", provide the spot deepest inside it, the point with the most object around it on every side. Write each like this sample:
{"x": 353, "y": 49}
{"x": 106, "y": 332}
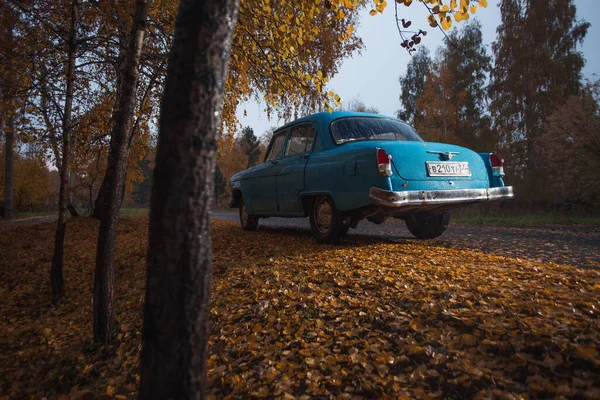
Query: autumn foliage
{"x": 290, "y": 318}
{"x": 35, "y": 187}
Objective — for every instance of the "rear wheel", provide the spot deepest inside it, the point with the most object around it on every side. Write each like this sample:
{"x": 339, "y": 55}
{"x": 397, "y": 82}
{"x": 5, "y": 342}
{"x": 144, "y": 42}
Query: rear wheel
{"x": 325, "y": 221}
{"x": 248, "y": 222}
{"x": 428, "y": 226}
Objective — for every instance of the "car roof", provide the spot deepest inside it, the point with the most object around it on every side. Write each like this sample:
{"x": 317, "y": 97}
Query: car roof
{"x": 325, "y": 118}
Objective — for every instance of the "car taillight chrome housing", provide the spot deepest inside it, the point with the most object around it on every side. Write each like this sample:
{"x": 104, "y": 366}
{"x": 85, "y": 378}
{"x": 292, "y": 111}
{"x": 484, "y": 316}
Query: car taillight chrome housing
{"x": 497, "y": 165}
{"x": 384, "y": 163}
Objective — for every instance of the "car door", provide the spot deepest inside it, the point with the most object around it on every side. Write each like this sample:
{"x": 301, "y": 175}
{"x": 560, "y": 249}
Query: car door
{"x": 261, "y": 189}
{"x": 290, "y": 176}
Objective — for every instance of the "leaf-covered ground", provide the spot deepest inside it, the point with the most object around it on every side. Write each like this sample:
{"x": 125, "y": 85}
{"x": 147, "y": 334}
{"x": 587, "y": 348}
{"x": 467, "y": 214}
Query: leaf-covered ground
{"x": 292, "y": 318}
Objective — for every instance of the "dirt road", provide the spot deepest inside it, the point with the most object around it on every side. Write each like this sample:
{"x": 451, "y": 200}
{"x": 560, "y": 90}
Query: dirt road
{"x": 575, "y": 245}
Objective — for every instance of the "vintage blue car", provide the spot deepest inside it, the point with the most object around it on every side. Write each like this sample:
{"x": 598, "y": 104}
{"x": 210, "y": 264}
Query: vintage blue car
{"x": 343, "y": 167}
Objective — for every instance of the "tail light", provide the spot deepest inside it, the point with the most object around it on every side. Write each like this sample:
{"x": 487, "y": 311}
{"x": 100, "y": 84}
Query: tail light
{"x": 384, "y": 163}
{"x": 497, "y": 165}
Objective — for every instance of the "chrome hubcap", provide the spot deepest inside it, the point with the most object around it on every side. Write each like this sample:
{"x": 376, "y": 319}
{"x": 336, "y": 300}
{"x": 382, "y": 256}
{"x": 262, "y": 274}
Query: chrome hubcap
{"x": 243, "y": 215}
{"x": 324, "y": 215}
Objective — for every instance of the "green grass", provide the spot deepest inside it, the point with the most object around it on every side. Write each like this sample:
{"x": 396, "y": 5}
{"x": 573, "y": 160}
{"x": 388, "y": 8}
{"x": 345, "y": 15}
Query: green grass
{"x": 140, "y": 212}
{"x": 135, "y": 212}
{"x": 33, "y": 214}
{"x": 130, "y": 212}
{"x": 528, "y": 220}
{"x": 522, "y": 220}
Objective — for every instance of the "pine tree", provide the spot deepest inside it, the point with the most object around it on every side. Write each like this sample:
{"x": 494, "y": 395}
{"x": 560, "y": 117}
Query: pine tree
{"x": 220, "y": 184}
{"x": 142, "y": 189}
{"x": 251, "y": 146}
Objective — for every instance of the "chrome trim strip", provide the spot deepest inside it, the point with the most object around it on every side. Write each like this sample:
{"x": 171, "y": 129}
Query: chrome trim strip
{"x": 445, "y": 155}
{"x": 438, "y": 197}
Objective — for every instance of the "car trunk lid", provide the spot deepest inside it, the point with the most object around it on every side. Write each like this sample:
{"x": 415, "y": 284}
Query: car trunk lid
{"x": 420, "y": 161}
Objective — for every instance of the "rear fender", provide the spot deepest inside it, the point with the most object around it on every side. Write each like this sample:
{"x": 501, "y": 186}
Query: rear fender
{"x": 495, "y": 181}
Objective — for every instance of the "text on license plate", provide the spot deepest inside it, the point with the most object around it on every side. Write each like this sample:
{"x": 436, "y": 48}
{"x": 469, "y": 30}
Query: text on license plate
{"x": 448, "y": 168}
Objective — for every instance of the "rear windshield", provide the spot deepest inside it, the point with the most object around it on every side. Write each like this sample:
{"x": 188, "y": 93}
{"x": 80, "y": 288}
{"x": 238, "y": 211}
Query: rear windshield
{"x": 351, "y": 129}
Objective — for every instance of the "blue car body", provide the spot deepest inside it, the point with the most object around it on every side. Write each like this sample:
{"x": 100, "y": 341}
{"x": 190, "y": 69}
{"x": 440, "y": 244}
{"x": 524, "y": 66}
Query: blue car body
{"x": 345, "y": 169}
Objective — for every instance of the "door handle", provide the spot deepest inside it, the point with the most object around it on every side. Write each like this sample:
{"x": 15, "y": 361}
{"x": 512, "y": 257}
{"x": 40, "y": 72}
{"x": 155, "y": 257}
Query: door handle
{"x": 274, "y": 162}
{"x": 305, "y": 156}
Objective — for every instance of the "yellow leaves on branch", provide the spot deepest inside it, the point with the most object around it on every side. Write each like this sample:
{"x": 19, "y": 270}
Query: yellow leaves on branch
{"x": 333, "y": 100}
{"x": 285, "y": 53}
{"x": 379, "y": 6}
{"x": 442, "y": 9}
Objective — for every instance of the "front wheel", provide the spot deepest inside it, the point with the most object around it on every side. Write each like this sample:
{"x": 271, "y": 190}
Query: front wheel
{"x": 326, "y": 222}
{"x": 248, "y": 222}
{"x": 428, "y": 226}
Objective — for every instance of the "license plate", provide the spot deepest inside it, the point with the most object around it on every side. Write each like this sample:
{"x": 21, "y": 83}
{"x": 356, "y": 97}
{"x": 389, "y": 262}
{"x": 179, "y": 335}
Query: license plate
{"x": 448, "y": 168}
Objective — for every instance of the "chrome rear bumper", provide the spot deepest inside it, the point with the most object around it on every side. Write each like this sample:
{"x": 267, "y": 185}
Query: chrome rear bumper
{"x": 435, "y": 198}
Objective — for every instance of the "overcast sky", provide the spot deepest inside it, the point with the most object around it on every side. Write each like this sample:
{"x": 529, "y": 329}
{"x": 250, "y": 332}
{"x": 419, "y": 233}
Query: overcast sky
{"x": 372, "y": 75}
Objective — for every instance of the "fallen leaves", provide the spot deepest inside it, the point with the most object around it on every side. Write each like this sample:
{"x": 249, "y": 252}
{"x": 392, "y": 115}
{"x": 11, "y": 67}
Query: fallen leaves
{"x": 293, "y": 319}
{"x": 390, "y": 320}
{"x": 48, "y": 351}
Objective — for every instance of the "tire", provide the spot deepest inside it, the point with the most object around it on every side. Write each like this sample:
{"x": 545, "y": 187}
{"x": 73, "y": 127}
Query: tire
{"x": 427, "y": 226}
{"x": 326, "y": 222}
{"x": 248, "y": 222}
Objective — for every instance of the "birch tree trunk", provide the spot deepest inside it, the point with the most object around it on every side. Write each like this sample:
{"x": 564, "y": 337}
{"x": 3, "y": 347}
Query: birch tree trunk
{"x": 8, "y": 168}
{"x": 175, "y": 333}
{"x": 104, "y": 278}
{"x": 56, "y": 270}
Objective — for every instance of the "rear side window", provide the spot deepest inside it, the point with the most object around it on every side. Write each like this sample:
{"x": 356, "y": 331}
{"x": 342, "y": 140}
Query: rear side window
{"x": 301, "y": 139}
{"x": 276, "y": 150}
{"x": 351, "y": 129}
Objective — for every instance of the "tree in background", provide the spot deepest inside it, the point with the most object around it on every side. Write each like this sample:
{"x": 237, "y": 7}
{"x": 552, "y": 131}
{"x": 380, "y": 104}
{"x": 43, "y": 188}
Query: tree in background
{"x": 537, "y": 68}
{"x": 437, "y": 115}
{"x": 237, "y": 153}
{"x": 32, "y": 187}
{"x": 14, "y": 92}
{"x": 143, "y": 188}
{"x": 413, "y": 85}
{"x": 571, "y": 149}
{"x": 56, "y": 275}
{"x": 58, "y": 61}
{"x": 452, "y": 107}
{"x": 121, "y": 136}
{"x": 231, "y": 159}
{"x": 251, "y": 146}
{"x": 468, "y": 63}
{"x": 220, "y": 184}
{"x": 8, "y": 187}
{"x": 150, "y": 79}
